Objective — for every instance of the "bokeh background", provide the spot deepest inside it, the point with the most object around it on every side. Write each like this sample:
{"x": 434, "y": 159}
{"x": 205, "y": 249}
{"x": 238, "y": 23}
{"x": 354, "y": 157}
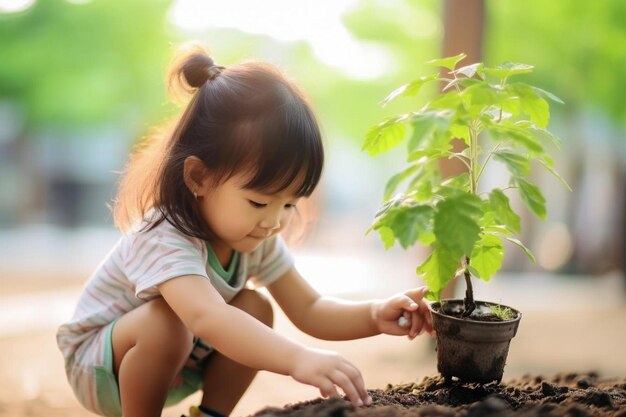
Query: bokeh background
{"x": 82, "y": 81}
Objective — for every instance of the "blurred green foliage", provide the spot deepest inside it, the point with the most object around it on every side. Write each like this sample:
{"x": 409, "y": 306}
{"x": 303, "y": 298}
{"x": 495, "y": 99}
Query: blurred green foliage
{"x": 577, "y": 48}
{"x": 102, "y": 62}
{"x": 73, "y": 65}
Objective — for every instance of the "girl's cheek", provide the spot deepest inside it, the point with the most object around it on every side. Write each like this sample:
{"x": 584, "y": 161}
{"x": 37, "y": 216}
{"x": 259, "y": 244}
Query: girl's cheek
{"x": 286, "y": 219}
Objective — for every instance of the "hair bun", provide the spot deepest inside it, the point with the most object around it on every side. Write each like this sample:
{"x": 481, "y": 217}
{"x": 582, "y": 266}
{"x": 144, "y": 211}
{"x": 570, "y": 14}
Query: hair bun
{"x": 194, "y": 67}
{"x": 198, "y": 68}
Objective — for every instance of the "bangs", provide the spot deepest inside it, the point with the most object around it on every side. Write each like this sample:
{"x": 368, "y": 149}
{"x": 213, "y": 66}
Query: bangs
{"x": 279, "y": 148}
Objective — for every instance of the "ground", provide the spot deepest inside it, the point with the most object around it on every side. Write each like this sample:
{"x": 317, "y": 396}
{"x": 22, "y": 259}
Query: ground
{"x": 580, "y": 336}
{"x": 573, "y": 395}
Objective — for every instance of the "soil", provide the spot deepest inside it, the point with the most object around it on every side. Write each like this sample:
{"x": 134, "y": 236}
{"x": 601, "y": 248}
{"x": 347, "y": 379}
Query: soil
{"x": 563, "y": 395}
{"x": 482, "y": 311}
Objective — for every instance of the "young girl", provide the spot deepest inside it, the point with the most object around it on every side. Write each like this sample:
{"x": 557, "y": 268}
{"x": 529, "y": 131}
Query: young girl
{"x": 171, "y": 310}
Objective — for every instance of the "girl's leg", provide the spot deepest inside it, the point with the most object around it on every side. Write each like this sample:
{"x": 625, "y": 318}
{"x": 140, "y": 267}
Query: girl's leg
{"x": 225, "y": 381}
{"x": 150, "y": 347}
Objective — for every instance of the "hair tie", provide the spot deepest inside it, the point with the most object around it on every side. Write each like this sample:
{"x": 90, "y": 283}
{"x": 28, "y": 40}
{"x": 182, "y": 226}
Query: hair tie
{"x": 214, "y": 71}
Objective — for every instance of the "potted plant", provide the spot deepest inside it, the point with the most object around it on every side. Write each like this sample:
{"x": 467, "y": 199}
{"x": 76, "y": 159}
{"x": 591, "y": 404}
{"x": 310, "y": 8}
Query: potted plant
{"x": 464, "y": 225}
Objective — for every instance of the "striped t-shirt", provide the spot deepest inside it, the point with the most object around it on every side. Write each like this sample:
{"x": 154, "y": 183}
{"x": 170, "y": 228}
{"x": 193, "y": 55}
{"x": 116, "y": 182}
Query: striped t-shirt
{"x": 141, "y": 260}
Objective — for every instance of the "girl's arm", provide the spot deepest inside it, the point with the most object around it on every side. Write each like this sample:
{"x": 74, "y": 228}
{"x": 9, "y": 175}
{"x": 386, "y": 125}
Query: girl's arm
{"x": 241, "y": 337}
{"x": 334, "y": 319}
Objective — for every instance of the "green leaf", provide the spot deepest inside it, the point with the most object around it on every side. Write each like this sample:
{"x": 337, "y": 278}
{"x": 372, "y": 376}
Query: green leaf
{"x": 423, "y": 130}
{"x": 524, "y": 248}
{"x": 460, "y": 131}
{"x": 410, "y": 89}
{"x": 396, "y": 201}
{"x": 533, "y": 105}
{"x": 448, "y": 62}
{"x": 427, "y": 238}
{"x": 503, "y": 213}
{"x": 497, "y": 229}
{"x": 386, "y": 235}
{"x": 487, "y": 256}
{"x": 448, "y": 100}
{"x": 532, "y": 196}
{"x": 425, "y": 125}
{"x": 547, "y": 165}
{"x": 473, "y": 271}
{"x": 439, "y": 269}
{"x": 456, "y": 183}
{"x": 494, "y": 115}
{"x": 394, "y": 181}
{"x": 507, "y": 69}
{"x": 517, "y": 164}
{"x": 540, "y": 134}
{"x": 471, "y": 70}
{"x": 547, "y": 94}
{"x": 538, "y": 110}
{"x": 460, "y": 83}
{"x": 484, "y": 95}
{"x": 511, "y": 105}
{"x": 421, "y": 185}
{"x": 385, "y": 135}
{"x": 518, "y": 135}
{"x": 456, "y": 226}
{"x": 408, "y": 223}
{"x": 428, "y": 154}
{"x": 431, "y": 296}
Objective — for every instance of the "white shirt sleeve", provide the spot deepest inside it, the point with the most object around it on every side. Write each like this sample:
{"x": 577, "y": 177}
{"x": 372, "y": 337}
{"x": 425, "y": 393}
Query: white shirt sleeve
{"x": 160, "y": 254}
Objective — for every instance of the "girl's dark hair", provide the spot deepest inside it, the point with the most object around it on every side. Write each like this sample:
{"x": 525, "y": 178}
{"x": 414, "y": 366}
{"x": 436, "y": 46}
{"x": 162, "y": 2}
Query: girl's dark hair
{"x": 247, "y": 118}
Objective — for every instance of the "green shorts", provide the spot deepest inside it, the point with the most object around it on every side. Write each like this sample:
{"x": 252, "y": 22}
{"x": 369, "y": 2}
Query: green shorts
{"x": 108, "y": 391}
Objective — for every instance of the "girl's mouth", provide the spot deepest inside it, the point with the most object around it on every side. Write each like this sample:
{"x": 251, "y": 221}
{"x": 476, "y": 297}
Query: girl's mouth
{"x": 259, "y": 237}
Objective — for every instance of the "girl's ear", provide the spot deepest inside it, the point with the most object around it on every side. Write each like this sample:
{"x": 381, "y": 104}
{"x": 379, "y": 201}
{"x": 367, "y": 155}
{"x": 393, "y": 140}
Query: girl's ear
{"x": 196, "y": 175}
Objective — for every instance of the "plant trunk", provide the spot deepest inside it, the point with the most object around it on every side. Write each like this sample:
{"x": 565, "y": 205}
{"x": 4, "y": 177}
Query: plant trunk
{"x": 468, "y": 301}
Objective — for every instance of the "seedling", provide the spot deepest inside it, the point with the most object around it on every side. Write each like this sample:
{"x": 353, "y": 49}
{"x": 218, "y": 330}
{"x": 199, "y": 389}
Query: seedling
{"x": 503, "y": 313}
{"x": 464, "y": 225}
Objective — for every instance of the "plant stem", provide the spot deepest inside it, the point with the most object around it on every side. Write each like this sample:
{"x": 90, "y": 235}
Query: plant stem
{"x": 495, "y": 149}
{"x": 473, "y": 159}
{"x": 468, "y": 302}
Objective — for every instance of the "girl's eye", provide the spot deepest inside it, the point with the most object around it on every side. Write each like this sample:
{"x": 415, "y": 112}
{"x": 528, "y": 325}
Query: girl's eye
{"x": 256, "y": 205}
{"x": 290, "y": 206}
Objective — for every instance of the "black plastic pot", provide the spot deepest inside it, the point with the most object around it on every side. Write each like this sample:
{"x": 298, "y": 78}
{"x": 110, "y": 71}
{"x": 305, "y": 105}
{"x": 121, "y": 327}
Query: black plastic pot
{"x": 469, "y": 349}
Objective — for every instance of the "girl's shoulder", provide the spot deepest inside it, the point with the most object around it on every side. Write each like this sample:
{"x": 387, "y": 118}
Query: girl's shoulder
{"x": 155, "y": 228}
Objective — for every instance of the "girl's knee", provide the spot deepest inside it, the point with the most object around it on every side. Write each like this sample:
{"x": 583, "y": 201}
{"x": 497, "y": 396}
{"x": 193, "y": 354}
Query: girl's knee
{"x": 166, "y": 328}
{"x": 255, "y": 304}
{"x": 153, "y": 327}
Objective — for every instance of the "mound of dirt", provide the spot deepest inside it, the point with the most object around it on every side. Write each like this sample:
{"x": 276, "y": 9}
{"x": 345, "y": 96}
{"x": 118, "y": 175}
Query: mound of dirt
{"x": 563, "y": 395}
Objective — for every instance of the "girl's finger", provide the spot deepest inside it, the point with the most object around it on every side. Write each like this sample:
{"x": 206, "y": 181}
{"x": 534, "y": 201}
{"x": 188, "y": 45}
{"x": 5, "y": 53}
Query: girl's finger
{"x": 357, "y": 379}
{"x": 341, "y": 380}
{"x": 328, "y": 389}
{"x": 415, "y": 324}
{"x": 403, "y": 302}
{"x": 404, "y": 320}
{"x": 417, "y": 293}
{"x": 420, "y": 324}
{"x": 428, "y": 324}
{"x": 410, "y": 304}
{"x": 425, "y": 311}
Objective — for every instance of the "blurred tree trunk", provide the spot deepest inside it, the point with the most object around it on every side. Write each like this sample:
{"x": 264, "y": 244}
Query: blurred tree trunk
{"x": 463, "y": 24}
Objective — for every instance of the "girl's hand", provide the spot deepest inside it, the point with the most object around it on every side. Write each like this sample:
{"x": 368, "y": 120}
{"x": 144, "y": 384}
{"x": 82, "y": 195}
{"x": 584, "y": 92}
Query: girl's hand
{"x": 404, "y": 314}
{"x": 327, "y": 370}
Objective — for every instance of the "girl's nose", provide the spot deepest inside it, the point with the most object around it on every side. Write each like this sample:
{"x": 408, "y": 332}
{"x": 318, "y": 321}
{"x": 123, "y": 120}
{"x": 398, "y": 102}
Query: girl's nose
{"x": 270, "y": 222}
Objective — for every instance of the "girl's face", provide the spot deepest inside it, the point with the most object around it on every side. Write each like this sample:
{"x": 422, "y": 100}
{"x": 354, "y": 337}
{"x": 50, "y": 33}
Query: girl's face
{"x": 242, "y": 218}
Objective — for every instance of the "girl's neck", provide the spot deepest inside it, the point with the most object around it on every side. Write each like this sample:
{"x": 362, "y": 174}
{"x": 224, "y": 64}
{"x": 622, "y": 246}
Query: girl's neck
{"x": 223, "y": 253}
